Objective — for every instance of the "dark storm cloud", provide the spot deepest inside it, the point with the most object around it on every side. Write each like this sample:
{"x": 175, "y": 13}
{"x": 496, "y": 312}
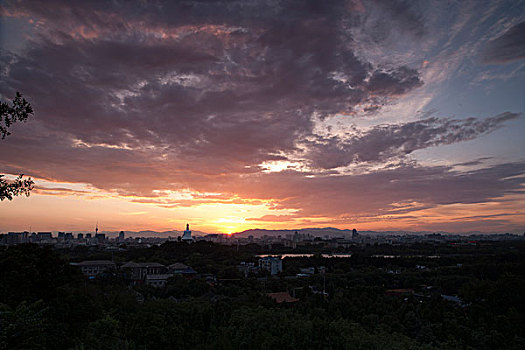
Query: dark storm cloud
{"x": 506, "y": 48}
{"x": 384, "y": 142}
{"x": 222, "y": 85}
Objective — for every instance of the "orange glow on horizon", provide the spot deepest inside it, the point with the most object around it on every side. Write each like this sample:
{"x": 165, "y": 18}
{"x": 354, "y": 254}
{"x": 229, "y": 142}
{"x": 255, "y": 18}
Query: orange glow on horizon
{"x": 61, "y": 206}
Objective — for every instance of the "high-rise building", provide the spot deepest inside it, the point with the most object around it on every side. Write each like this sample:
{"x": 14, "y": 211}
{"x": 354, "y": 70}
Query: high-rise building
{"x": 16, "y": 238}
{"x": 44, "y": 236}
{"x": 100, "y": 237}
{"x": 121, "y": 236}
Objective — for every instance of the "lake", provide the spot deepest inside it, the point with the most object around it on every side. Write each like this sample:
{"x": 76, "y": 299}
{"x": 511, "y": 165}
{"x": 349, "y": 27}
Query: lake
{"x": 284, "y": 256}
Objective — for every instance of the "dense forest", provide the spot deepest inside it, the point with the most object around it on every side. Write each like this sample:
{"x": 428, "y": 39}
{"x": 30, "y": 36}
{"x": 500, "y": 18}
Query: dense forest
{"x": 371, "y": 302}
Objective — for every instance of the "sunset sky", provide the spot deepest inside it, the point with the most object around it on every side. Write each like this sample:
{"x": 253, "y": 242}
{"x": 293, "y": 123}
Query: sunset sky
{"x": 229, "y": 115}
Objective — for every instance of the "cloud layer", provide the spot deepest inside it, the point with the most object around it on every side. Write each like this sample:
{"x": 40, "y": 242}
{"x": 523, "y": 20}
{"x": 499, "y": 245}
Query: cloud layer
{"x": 386, "y": 142}
{"x": 198, "y": 96}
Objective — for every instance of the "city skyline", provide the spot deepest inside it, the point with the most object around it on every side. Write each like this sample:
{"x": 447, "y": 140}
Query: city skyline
{"x": 274, "y": 115}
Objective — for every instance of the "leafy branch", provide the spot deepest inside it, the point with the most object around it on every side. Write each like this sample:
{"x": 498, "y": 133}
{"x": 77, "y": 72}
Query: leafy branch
{"x": 19, "y": 186}
{"x": 18, "y": 112}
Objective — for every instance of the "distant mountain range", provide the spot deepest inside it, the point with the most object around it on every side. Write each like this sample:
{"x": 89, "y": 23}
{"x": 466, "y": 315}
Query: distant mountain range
{"x": 316, "y": 232}
{"x": 330, "y": 232}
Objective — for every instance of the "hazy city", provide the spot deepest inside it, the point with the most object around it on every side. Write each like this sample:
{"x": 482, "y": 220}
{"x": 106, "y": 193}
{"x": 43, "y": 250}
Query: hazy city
{"x": 262, "y": 174}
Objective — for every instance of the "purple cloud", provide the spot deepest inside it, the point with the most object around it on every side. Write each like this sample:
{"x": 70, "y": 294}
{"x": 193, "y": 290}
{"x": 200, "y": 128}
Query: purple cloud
{"x": 384, "y": 142}
{"x": 196, "y": 95}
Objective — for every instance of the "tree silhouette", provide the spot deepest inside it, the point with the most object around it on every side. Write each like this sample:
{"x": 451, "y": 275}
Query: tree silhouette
{"x": 18, "y": 111}
{"x": 19, "y": 186}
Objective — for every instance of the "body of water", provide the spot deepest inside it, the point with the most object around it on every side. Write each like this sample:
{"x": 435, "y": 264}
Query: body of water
{"x": 284, "y": 256}
{"x": 405, "y": 256}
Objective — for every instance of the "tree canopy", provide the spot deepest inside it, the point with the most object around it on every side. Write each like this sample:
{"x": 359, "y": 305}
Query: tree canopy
{"x": 18, "y": 111}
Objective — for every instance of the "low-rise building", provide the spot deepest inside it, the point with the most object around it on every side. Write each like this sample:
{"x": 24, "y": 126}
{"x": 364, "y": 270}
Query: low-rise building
{"x": 181, "y": 269}
{"x": 247, "y": 267}
{"x": 137, "y": 272}
{"x": 307, "y": 270}
{"x": 272, "y": 264}
{"x": 91, "y": 268}
{"x": 157, "y": 281}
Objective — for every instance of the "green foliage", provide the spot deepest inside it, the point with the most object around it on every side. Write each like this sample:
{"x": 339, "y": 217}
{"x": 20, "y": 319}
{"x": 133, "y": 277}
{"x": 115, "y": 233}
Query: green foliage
{"x": 104, "y": 334}
{"x": 180, "y": 287}
{"x": 30, "y": 273}
{"x": 23, "y": 327}
{"x": 47, "y": 304}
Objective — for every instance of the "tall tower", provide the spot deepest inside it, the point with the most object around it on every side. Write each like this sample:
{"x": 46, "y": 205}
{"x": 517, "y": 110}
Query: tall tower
{"x": 100, "y": 237}
{"x": 186, "y": 237}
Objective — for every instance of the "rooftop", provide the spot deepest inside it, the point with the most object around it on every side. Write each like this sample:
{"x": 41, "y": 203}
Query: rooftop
{"x": 282, "y": 297}
{"x": 145, "y": 264}
{"x": 94, "y": 262}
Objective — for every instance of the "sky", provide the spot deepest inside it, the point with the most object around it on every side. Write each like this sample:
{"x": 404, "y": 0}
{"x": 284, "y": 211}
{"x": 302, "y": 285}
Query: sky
{"x": 276, "y": 114}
